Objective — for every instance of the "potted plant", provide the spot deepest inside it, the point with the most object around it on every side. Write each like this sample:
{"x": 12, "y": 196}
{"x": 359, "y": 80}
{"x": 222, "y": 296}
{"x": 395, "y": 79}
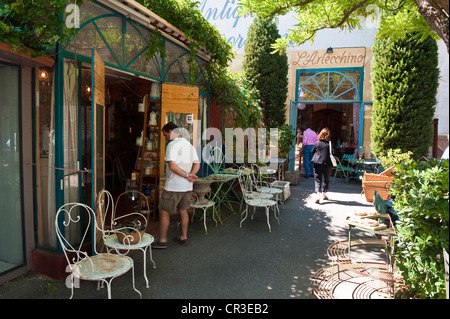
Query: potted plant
{"x": 130, "y": 233}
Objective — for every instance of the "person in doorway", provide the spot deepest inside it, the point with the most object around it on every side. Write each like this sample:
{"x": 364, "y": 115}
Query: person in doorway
{"x": 322, "y": 164}
{"x": 182, "y": 166}
{"x": 309, "y": 138}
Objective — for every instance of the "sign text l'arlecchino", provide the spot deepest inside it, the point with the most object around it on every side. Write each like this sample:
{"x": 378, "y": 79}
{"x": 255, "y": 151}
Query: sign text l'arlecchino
{"x": 315, "y": 58}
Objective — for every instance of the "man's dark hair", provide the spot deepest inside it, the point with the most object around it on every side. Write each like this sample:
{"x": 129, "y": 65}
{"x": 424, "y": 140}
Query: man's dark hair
{"x": 169, "y": 126}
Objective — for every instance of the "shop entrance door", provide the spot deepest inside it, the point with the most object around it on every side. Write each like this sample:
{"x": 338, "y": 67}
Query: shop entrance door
{"x": 328, "y": 118}
{"x": 11, "y": 215}
{"x": 98, "y": 124}
{"x": 334, "y": 86}
{"x": 179, "y": 104}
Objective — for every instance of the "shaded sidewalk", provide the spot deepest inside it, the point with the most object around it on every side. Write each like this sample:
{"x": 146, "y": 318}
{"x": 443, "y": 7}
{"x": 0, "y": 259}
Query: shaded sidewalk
{"x": 234, "y": 262}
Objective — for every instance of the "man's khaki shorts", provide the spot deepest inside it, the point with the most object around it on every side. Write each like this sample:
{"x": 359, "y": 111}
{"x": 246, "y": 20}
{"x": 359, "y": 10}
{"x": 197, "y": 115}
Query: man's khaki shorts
{"x": 171, "y": 201}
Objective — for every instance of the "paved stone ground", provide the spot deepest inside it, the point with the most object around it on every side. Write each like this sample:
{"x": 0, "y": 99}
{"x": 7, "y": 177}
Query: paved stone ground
{"x": 234, "y": 262}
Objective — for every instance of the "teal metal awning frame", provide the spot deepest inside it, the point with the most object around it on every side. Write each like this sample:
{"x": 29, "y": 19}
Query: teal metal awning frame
{"x": 115, "y": 50}
{"x": 102, "y": 17}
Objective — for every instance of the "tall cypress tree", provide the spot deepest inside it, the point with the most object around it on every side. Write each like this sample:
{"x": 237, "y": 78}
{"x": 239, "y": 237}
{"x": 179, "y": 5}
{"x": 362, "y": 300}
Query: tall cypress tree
{"x": 404, "y": 86}
{"x": 267, "y": 71}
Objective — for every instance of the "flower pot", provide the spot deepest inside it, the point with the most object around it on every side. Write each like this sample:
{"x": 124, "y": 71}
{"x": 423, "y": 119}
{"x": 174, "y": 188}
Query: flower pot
{"x": 201, "y": 188}
{"x": 130, "y": 238}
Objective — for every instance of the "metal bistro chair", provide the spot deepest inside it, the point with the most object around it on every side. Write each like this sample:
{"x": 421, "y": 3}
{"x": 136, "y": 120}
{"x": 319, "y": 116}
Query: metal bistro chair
{"x": 101, "y": 267}
{"x": 265, "y": 187}
{"x": 341, "y": 170}
{"x": 196, "y": 204}
{"x": 348, "y": 156}
{"x": 126, "y": 237}
{"x": 356, "y": 169}
{"x": 247, "y": 185}
{"x": 265, "y": 173}
{"x": 255, "y": 199}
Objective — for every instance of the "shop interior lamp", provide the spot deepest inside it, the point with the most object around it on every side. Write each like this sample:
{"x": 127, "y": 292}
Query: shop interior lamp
{"x": 43, "y": 75}
{"x": 330, "y": 50}
{"x": 301, "y": 106}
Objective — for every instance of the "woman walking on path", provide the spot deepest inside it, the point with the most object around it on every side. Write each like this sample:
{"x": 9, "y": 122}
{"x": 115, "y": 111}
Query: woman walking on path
{"x": 322, "y": 164}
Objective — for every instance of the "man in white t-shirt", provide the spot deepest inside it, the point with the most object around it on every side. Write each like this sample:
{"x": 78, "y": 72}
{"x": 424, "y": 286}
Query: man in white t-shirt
{"x": 182, "y": 165}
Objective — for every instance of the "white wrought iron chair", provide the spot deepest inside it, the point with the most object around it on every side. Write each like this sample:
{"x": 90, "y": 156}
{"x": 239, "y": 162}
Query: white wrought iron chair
{"x": 247, "y": 184}
{"x": 129, "y": 228}
{"x": 196, "y": 204}
{"x": 100, "y": 267}
{"x": 264, "y": 173}
{"x": 256, "y": 199}
{"x": 265, "y": 187}
{"x": 341, "y": 170}
{"x": 356, "y": 169}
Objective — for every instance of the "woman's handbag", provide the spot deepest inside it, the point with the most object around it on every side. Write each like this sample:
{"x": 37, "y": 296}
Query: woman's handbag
{"x": 333, "y": 160}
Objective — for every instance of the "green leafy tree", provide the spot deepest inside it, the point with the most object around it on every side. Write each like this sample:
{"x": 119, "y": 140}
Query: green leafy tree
{"x": 232, "y": 91}
{"x": 421, "y": 17}
{"x": 185, "y": 15}
{"x": 267, "y": 71}
{"x": 404, "y": 86}
{"x": 239, "y": 97}
{"x": 35, "y": 26}
{"x": 38, "y": 26}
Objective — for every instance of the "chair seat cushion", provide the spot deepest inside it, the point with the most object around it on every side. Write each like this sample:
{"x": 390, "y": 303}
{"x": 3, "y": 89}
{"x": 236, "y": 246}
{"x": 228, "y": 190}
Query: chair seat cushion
{"x": 102, "y": 266}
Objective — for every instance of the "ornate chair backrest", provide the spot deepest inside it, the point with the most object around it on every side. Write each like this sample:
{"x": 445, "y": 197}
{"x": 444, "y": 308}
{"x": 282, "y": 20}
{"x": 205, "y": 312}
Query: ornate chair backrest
{"x": 105, "y": 206}
{"x": 131, "y": 207}
{"x": 105, "y": 211}
{"x": 339, "y": 165}
{"x": 245, "y": 181}
{"x": 256, "y": 173}
{"x": 257, "y": 179}
{"x": 69, "y": 222}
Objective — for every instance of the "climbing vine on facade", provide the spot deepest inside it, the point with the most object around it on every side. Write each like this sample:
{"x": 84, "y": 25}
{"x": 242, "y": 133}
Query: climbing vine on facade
{"x": 35, "y": 26}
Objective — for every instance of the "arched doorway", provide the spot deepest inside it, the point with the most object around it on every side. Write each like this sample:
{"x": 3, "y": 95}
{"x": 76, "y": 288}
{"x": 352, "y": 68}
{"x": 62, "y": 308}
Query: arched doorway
{"x": 331, "y": 98}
